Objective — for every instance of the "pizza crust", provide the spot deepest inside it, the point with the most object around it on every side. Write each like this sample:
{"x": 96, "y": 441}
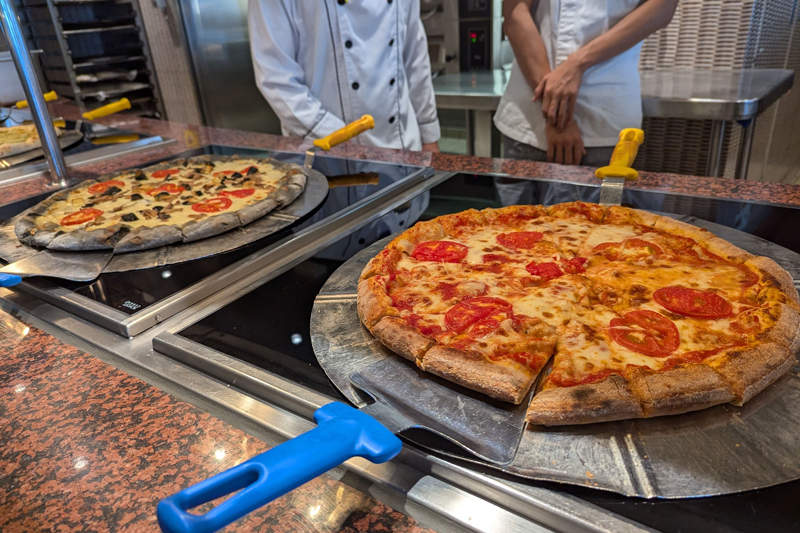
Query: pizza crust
{"x": 401, "y": 338}
{"x": 704, "y": 238}
{"x": 76, "y": 241}
{"x": 214, "y": 225}
{"x": 373, "y": 302}
{"x": 607, "y": 400}
{"x": 752, "y": 369}
{"x": 679, "y": 390}
{"x": 766, "y": 267}
{"x": 506, "y": 382}
{"x": 147, "y": 238}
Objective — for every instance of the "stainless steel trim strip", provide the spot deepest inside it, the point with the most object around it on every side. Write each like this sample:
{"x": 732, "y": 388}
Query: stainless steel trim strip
{"x": 9, "y": 19}
{"x": 81, "y": 159}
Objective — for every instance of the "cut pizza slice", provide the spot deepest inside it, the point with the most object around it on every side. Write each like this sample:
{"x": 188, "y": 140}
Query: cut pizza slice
{"x": 671, "y": 349}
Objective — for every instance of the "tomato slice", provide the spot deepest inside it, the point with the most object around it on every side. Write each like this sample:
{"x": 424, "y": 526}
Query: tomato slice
{"x": 645, "y": 332}
{"x": 546, "y": 271}
{"x": 693, "y": 303}
{"x": 471, "y": 310}
{"x": 100, "y": 188}
{"x": 212, "y": 205}
{"x": 81, "y": 217}
{"x": 483, "y": 327}
{"x": 169, "y": 188}
{"x": 520, "y": 240}
{"x": 160, "y": 174}
{"x": 238, "y": 193}
{"x": 440, "y": 251}
{"x": 574, "y": 265}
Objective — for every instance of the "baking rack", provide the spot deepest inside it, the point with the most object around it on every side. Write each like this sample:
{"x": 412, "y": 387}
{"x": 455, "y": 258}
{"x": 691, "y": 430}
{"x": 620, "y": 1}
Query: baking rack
{"x": 94, "y": 51}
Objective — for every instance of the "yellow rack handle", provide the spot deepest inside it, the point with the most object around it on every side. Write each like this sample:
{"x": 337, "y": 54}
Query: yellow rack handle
{"x": 108, "y": 109}
{"x": 345, "y": 134}
{"x": 624, "y": 155}
{"x": 48, "y": 97}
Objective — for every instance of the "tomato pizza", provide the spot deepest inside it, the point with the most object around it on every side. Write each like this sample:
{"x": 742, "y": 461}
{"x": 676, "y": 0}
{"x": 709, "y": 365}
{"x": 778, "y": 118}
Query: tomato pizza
{"x": 174, "y": 201}
{"x": 613, "y": 313}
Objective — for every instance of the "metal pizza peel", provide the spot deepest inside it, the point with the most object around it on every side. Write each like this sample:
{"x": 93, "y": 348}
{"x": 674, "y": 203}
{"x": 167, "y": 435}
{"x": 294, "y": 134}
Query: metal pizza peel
{"x": 619, "y": 168}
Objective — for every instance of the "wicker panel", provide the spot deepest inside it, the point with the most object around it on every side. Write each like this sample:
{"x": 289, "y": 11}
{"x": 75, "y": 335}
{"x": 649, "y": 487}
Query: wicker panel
{"x": 727, "y": 34}
{"x": 171, "y": 63}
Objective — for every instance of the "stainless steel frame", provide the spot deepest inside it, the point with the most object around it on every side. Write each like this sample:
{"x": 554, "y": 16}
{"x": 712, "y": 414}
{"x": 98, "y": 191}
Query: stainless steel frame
{"x": 719, "y": 96}
{"x": 9, "y": 19}
{"x": 80, "y": 159}
{"x": 269, "y": 259}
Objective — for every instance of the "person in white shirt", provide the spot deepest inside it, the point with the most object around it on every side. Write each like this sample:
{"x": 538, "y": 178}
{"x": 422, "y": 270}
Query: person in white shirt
{"x": 575, "y": 79}
{"x": 323, "y": 64}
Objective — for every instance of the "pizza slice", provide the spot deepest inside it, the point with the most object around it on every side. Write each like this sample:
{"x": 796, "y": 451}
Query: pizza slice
{"x": 18, "y": 139}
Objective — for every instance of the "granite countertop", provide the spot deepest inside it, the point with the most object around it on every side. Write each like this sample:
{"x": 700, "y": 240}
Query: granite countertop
{"x": 87, "y": 447}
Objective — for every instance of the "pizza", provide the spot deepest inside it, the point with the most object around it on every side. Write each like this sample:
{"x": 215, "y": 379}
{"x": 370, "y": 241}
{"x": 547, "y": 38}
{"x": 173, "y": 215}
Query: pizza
{"x": 174, "y": 201}
{"x": 18, "y": 139}
{"x": 613, "y": 313}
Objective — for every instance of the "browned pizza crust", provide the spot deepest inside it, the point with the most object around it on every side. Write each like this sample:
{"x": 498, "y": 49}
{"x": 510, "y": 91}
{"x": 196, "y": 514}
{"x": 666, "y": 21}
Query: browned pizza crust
{"x": 604, "y": 401}
{"x": 508, "y": 382}
{"x": 403, "y": 339}
{"x": 751, "y": 369}
{"x": 679, "y": 390}
{"x": 76, "y": 241}
{"x": 208, "y": 227}
{"x": 147, "y": 238}
{"x": 777, "y": 277}
{"x": 704, "y": 238}
{"x": 373, "y": 302}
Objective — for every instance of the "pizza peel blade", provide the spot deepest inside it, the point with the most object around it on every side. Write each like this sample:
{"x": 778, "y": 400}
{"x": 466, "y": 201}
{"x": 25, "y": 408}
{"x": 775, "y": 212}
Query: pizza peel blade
{"x": 619, "y": 168}
{"x": 73, "y": 266}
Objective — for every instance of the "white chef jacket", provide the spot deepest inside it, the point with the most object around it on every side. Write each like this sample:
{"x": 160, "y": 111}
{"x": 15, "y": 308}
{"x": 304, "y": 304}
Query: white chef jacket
{"x": 610, "y": 96}
{"x": 324, "y": 63}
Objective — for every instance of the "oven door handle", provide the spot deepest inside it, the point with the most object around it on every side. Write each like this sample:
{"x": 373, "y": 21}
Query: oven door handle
{"x": 342, "y": 433}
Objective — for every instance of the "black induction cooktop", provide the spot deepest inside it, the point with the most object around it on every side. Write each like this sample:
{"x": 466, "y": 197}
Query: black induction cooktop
{"x": 131, "y": 292}
{"x": 269, "y": 327}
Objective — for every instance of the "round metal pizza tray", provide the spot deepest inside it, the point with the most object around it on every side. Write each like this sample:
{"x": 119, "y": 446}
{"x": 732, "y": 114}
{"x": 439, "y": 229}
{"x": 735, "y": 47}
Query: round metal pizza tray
{"x": 315, "y": 193}
{"x": 720, "y": 450}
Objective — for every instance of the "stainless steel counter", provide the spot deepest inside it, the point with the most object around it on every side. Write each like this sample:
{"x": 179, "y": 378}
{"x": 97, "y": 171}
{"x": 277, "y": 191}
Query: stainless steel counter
{"x": 733, "y": 95}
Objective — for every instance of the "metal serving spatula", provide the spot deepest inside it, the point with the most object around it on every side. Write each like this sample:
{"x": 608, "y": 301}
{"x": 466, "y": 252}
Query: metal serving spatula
{"x": 73, "y": 266}
{"x": 619, "y": 168}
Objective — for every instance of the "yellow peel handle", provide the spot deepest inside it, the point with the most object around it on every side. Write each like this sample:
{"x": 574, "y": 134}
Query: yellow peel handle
{"x": 345, "y": 134}
{"x": 48, "y": 97}
{"x": 110, "y": 109}
{"x": 624, "y": 155}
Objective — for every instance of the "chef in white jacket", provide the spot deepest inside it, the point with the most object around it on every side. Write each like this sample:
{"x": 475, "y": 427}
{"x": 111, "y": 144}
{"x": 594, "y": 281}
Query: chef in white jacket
{"x": 324, "y": 63}
{"x": 321, "y": 64}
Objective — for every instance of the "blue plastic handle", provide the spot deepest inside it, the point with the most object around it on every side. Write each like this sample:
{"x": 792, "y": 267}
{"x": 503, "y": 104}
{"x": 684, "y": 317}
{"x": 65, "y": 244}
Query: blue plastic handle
{"x": 9, "y": 280}
{"x": 341, "y": 433}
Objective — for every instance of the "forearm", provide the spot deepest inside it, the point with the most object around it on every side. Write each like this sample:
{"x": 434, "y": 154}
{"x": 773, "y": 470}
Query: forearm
{"x": 634, "y": 28}
{"x": 526, "y": 42}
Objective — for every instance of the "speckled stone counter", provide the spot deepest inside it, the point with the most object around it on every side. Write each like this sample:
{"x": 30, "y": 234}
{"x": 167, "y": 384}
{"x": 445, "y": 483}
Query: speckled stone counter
{"x": 194, "y": 136}
{"x": 86, "y": 447}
